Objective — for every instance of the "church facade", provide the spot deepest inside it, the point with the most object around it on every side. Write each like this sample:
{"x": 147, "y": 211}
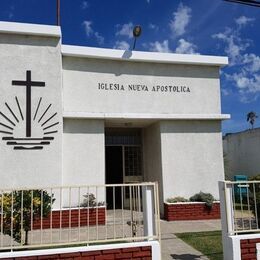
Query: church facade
{"x": 72, "y": 115}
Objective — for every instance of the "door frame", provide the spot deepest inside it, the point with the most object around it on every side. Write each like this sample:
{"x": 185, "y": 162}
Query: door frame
{"x": 123, "y": 160}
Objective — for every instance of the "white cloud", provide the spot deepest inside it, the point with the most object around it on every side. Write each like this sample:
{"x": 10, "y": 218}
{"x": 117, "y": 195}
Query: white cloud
{"x": 88, "y": 28}
{"x": 10, "y": 13}
{"x": 125, "y": 30}
{"x": 153, "y": 27}
{"x": 160, "y": 46}
{"x": 100, "y": 39}
{"x": 235, "y": 45}
{"x": 90, "y": 32}
{"x": 243, "y": 20}
{"x": 225, "y": 92}
{"x": 252, "y": 62}
{"x": 84, "y": 5}
{"x": 246, "y": 99}
{"x": 246, "y": 79}
{"x": 122, "y": 45}
{"x": 181, "y": 19}
{"x": 186, "y": 47}
{"x": 247, "y": 84}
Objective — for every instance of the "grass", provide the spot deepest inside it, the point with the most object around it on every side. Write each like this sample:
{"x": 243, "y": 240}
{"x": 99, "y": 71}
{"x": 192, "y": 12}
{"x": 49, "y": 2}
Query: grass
{"x": 208, "y": 243}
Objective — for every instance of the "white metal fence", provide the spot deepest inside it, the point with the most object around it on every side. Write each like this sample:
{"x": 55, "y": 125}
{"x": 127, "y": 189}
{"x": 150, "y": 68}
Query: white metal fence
{"x": 242, "y": 206}
{"x": 36, "y": 218}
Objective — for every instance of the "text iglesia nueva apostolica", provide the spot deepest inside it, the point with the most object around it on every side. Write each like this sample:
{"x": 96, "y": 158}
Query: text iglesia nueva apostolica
{"x": 143, "y": 88}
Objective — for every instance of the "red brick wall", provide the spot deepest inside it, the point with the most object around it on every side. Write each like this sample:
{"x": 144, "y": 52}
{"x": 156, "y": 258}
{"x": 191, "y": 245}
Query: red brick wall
{"x": 87, "y": 216}
{"x": 191, "y": 211}
{"x": 137, "y": 253}
{"x": 248, "y": 248}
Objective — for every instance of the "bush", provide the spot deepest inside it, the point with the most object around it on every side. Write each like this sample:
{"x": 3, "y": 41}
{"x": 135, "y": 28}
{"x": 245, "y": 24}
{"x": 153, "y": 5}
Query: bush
{"x": 91, "y": 201}
{"x": 30, "y": 202}
{"x": 255, "y": 178}
{"x": 203, "y": 197}
{"x": 176, "y": 199}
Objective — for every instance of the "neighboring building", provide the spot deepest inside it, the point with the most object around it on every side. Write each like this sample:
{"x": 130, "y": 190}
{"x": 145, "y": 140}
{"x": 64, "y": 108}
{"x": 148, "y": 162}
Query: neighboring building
{"x": 242, "y": 153}
{"x": 75, "y": 115}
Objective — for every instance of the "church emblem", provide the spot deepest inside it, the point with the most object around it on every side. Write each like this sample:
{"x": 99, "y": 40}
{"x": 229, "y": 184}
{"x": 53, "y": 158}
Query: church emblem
{"x": 27, "y": 126}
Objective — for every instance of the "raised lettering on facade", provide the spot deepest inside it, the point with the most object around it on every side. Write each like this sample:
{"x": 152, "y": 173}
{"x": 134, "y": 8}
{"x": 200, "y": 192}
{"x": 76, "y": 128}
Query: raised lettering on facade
{"x": 143, "y": 88}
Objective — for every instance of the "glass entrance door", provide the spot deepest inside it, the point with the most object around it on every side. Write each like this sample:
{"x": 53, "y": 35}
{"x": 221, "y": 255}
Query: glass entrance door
{"x": 132, "y": 158}
{"x": 123, "y": 158}
{"x": 132, "y": 164}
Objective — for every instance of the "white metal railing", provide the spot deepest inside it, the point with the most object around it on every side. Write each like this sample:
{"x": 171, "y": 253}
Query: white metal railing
{"x": 242, "y": 206}
{"x": 74, "y": 215}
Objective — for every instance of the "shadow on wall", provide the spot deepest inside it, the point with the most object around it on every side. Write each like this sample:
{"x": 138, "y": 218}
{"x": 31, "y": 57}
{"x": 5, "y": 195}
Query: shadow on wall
{"x": 123, "y": 67}
{"x": 127, "y": 55}
{"x": 30, "y": 41}
{"x": 83, "y": 126}
{"x": 192, "y": 126}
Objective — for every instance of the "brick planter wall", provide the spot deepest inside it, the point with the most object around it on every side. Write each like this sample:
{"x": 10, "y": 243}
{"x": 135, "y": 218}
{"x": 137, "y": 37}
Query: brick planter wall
{"x": 141, "y": 253}
{"x": 248, "y": 248}
{"x": 87, "y": 217}
{"x": 191, "y": 211}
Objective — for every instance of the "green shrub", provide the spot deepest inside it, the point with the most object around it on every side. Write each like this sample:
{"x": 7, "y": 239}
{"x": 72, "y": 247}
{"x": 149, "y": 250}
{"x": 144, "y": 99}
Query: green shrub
{"x": 203, "y": 197}
{"x": 23, "y": 205}
{"x": 176, "y": 199}
{"x": 91, "y": 201}
{"x": 255, "y": 178}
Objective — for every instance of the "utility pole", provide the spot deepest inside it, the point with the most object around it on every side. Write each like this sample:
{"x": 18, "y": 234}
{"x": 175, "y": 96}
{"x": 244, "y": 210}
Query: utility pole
{"x": 58, "y": 12}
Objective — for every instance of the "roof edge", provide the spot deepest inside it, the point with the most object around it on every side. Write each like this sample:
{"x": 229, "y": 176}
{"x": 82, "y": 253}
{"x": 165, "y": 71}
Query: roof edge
{"x": 138, "y": 56}
{"x": 73, "y": 114}
{"x": 30, "y": 29}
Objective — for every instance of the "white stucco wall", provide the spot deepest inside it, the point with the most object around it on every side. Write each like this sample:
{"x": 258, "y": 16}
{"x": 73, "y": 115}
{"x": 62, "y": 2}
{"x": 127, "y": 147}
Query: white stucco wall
{"x": 152, "y": 157}
{"x": 83, "y": 159}
{"x": 42, "y": 56}
{"x": 189, "y": 152}
{"x": 242, "y": 153}
{"x": 81, "y": 90}
{"x": 184, "y": 156}
{"x": 192, "y": 157}
{"x": 83, "y": 152}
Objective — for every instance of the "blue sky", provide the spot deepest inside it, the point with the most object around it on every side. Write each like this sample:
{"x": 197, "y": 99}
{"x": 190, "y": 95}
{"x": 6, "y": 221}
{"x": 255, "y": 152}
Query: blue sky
{"x": 210, "y": 27}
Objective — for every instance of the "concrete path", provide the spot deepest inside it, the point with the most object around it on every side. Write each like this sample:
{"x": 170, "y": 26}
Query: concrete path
{"x": 172, "y": 247}
{"x": 175, "y": 248}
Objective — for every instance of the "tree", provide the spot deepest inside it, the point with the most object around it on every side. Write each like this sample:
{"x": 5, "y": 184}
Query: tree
{"x": 19, "y": 207}
{"x": 251, "y": 117}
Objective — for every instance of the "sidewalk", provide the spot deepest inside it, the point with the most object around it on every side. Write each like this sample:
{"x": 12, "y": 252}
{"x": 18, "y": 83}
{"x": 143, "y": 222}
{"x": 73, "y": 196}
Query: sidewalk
{"x": 175, "y": 248}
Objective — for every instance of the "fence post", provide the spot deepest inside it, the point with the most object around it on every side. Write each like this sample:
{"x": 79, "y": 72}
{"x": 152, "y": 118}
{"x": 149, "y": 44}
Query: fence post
{"x": 227, "y": 215}
{"x": 148, "y": 211}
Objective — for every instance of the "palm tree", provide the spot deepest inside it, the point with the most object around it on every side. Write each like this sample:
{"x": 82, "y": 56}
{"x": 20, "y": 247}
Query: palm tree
{"x": 251, "y": 117}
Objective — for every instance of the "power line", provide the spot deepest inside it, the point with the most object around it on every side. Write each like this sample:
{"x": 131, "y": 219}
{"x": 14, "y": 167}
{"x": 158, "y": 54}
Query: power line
{"x": 255, "y": 3}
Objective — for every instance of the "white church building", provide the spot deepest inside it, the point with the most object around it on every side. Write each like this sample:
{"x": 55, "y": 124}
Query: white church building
{"x": 72, "y": 115}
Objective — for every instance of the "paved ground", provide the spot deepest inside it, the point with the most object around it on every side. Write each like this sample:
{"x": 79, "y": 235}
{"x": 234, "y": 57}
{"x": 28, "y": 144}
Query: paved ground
{"x": 117, "y": 227}
{"x": 174, "y": 248}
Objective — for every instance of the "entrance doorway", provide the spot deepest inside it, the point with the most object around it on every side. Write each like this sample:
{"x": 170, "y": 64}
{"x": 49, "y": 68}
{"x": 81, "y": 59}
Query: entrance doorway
{"x": 123, "y": 163}
{"x": 114, "y": 175}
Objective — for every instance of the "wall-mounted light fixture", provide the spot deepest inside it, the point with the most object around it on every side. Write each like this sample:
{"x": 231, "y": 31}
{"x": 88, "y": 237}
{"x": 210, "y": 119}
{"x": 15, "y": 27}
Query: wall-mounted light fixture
{"x": 136, "y": 33}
